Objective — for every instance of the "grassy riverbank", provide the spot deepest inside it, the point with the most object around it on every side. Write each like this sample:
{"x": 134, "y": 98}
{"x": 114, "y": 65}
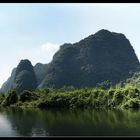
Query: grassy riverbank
{"x": 117, "y": 97}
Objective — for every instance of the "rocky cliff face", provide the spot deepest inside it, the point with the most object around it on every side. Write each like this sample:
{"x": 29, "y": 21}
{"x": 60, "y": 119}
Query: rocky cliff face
{"x": 103, "y": 56}
{"x": 40, "y": 72}
{"x": 25, "y": 78}
{"x": 8, "y": 84}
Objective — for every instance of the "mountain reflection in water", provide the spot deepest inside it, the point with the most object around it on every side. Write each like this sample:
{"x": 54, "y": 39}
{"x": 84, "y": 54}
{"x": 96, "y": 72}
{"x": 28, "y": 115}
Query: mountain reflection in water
{"x": 60, "y": 122}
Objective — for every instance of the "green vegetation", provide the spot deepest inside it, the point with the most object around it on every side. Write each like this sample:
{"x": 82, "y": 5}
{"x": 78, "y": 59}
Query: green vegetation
{"x": 10, "y": 99}
{"x": 127, "y": 96}
{"x": 134, "y": 79}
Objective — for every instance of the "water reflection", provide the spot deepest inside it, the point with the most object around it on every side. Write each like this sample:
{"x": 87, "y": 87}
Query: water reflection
{"x": 5, "y": 126}
{"x": 35, "y": 122}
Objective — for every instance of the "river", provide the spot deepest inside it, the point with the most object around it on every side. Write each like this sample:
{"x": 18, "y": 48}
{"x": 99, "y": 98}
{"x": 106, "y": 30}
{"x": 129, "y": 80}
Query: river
{"x": 60, "y": 122}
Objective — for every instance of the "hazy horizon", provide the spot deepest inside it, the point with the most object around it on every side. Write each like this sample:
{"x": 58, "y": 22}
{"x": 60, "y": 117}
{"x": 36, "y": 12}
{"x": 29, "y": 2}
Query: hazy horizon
{"x": 35, "y": 31}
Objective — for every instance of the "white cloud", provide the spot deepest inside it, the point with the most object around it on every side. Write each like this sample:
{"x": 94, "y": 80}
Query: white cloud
{"x": 50, "y": 48}
{"x": 38, "y": 53}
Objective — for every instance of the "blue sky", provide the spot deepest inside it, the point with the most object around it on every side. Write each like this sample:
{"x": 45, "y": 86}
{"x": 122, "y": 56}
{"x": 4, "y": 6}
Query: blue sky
{"x": 35, "y": 31}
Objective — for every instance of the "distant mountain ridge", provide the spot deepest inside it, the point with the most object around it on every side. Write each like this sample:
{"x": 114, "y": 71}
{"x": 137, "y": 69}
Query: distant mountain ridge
{"x": 8, "y": 84}
{"x": 100, "y": 57}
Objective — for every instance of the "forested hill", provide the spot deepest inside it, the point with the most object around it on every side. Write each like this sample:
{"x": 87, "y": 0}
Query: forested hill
{"x": 100, "y": 57}
{"x": 103, "y": 56}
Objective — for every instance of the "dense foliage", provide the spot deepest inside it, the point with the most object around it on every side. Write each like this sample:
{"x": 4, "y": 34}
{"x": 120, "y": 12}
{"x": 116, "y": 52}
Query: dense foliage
{"x": 133, "y": 80}
{"x": 114, "y": 97}
{"x": 10, "y": 99}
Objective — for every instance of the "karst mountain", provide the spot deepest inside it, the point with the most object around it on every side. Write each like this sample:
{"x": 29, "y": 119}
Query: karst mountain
{"x": 104, "y": 56}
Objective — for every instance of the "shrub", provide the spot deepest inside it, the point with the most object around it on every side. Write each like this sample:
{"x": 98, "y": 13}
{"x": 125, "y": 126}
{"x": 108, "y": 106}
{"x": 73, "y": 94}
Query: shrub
{"x": 132, "y": 103}
{"x": 2, "y": 97}
{"x": 27, "y": 96}
{"x": 11, "y": 98}
{"x": 134, "y": 92}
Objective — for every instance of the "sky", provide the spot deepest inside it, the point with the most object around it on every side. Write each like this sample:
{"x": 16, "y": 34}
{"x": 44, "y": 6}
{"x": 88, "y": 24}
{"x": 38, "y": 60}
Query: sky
{"x": 35, "y": 31}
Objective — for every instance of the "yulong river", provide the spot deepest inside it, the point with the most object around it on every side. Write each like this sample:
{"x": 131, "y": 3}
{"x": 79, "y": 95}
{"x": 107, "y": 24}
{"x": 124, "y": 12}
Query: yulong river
{"x": 60, "y": 122}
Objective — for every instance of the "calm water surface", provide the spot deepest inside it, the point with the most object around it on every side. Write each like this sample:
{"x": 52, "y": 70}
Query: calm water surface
{"x": 36, "y": 122}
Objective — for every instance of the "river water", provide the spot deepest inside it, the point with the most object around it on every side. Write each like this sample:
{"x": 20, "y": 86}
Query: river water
{"x": 60, "y": 122}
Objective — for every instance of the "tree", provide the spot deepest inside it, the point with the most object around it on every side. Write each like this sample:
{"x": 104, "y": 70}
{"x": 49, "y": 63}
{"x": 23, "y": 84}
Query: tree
{"x": 11, "y": 98}
{"x": 27, "y": 96}
{"x": 105, "y": 85}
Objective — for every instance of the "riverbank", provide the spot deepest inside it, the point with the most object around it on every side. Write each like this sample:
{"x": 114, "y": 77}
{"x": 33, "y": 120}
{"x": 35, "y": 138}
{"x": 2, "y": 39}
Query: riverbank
{"x": 117, "y": 97}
